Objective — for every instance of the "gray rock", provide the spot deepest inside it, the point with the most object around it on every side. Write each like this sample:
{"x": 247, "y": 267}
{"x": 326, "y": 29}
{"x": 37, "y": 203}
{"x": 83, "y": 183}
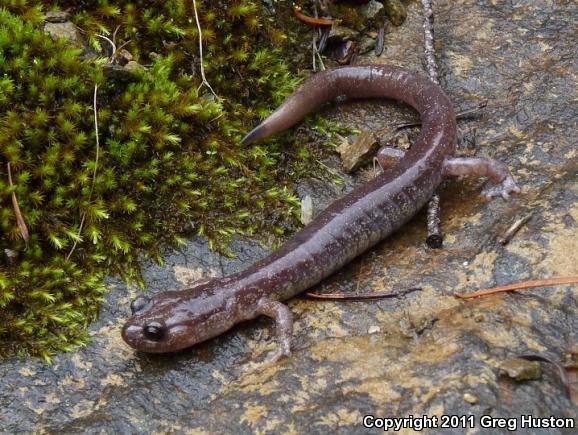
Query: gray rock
{"x": 366, "y": 44}
{"x": 57, "y": 16}
{"x": 371, "y": 9}
{"x": 65, "y": 30}
{"x": 341, "y": 33}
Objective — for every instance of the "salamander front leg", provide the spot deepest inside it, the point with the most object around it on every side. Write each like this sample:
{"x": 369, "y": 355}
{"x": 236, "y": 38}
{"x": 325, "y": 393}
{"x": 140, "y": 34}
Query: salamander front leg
{"x": 283, "y": 325}
{"x": 501, "y": 182}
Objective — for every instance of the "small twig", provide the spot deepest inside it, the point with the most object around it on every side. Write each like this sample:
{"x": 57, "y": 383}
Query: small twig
{"x": 97, "y": 139}
{"x": 313, "y": 58}
{"x": 97, "y": 153}
{"x": 428, "y": 25}
{"x": 434, "y": 233}
{"x": 521, "y": 285}
{"x": 314, "y": 43}
{"x": 380, "y": 42}
{"x": 19, "y": 218}
{"x": 96, "y": 158}
{"x": 124, "y": 44}
{"x": 321, "y": 63}
{"x": 514, "y": 228}
{"x": 111, "y": 42}
{"x": 408, "y": 125}
{"x": 114, "y": 34}
{"x": 323, "y": 37}
{"x": 315, "y": 51}
{"x": 460, "y": 115}
{"x": 363, "y": 296}
{"x": 434, "y": 237}
{"x": 561, "y": 370}
{"x": 472, "y": 111}
{"x": 203, "y": 77}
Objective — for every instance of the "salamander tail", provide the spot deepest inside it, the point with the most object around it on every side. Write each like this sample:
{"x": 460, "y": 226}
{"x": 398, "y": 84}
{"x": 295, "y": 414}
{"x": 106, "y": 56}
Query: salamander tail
{"x": 257, "y": 133}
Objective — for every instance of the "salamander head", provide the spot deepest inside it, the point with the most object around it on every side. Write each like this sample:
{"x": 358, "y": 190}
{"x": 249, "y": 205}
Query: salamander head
{"x": 175, "y": 320}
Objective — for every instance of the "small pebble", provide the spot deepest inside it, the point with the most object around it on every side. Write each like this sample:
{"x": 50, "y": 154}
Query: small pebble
{"x": 306, "y": 210}
{"x": 373, "y": 329}
{"x": 57, "y": 16}
{"x": 371, "y": 10}
{"x": 367, "y": 44}
{"x": 521, "y": 370}
{"x": 342, "y": 33}
{"x": 479, "y": 317}
{"x": 470, "y": 398}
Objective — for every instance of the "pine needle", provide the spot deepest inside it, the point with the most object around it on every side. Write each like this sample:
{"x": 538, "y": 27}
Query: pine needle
{"x": 203, "y": 77}
{"x": 360, "y": 296}
{"x": 83, "y": 218}
{"x": 97, "y": 141}
{"x": 19, "y": 218}
{"x": 521, "y": 285}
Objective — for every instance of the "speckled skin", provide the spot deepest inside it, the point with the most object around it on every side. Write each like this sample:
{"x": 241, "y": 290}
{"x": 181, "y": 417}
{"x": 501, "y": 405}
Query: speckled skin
{"x": 178, "y": 319}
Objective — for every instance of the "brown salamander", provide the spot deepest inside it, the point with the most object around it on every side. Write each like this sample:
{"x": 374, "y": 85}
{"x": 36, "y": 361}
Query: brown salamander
{"x": 175, "y": 320}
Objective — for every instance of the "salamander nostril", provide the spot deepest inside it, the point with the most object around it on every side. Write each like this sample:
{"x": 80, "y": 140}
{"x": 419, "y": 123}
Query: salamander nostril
{"x": 139, "y": 303}
{"x": 154, "y": 331}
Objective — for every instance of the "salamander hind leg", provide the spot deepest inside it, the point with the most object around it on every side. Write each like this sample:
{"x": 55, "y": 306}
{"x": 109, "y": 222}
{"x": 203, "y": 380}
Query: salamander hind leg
{"x": 501, "y": 182}
{"x": 283, "y": 318}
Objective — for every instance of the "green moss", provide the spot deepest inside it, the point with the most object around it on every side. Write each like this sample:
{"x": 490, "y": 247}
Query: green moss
{"x": 169, "y": 157}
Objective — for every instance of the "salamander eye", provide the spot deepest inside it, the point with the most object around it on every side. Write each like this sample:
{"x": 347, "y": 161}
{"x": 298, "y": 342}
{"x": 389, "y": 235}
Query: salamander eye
{"x": 154, "y": 331}
{"x": 139, "y": 303}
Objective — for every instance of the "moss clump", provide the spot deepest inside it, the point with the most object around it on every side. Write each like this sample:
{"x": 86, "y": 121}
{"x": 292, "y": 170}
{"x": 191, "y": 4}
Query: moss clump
{"x": 168, "y": 162}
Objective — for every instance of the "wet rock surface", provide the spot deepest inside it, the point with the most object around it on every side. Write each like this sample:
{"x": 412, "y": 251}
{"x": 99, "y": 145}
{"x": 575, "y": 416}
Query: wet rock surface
{"x": 424, "y": 353}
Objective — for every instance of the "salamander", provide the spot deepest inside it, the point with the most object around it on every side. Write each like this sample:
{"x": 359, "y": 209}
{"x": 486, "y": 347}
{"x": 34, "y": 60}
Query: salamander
{"x": 175, "y": 320}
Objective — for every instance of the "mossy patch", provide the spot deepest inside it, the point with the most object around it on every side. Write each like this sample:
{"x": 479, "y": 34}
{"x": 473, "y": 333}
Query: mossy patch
{"x": 168, "y": 162}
